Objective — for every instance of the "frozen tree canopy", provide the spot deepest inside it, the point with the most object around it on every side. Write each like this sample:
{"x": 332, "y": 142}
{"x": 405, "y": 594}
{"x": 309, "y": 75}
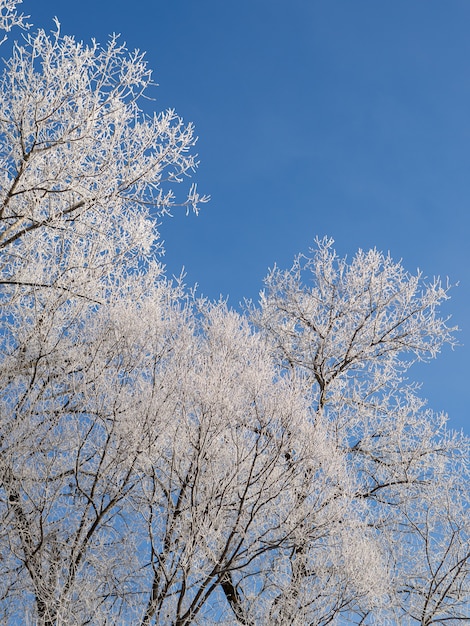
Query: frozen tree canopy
{"x": 165, "y": 460}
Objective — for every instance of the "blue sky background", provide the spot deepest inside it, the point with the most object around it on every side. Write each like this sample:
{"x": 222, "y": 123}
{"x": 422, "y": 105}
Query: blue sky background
{"x": 316, "y": 117}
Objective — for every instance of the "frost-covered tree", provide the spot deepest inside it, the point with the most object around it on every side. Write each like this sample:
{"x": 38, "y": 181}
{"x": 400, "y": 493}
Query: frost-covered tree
{"x": 349, "y": 333}
{"x": 164, "y": 460}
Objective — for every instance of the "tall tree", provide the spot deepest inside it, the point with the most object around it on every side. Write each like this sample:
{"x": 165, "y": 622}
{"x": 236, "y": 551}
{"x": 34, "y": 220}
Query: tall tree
{"x": 349, "y": 333}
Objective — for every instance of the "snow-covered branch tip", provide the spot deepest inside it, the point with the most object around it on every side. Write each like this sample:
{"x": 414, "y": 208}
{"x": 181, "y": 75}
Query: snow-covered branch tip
{"x": 9, "y": 16}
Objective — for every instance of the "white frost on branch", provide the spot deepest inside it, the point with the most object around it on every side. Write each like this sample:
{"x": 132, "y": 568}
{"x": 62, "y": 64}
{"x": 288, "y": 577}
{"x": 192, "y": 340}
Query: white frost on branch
{"x": 9, "y": 16}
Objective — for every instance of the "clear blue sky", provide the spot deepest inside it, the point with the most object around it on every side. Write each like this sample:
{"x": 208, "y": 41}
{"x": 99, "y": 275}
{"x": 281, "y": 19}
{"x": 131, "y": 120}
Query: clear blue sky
{"x": 315, "y": 117}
